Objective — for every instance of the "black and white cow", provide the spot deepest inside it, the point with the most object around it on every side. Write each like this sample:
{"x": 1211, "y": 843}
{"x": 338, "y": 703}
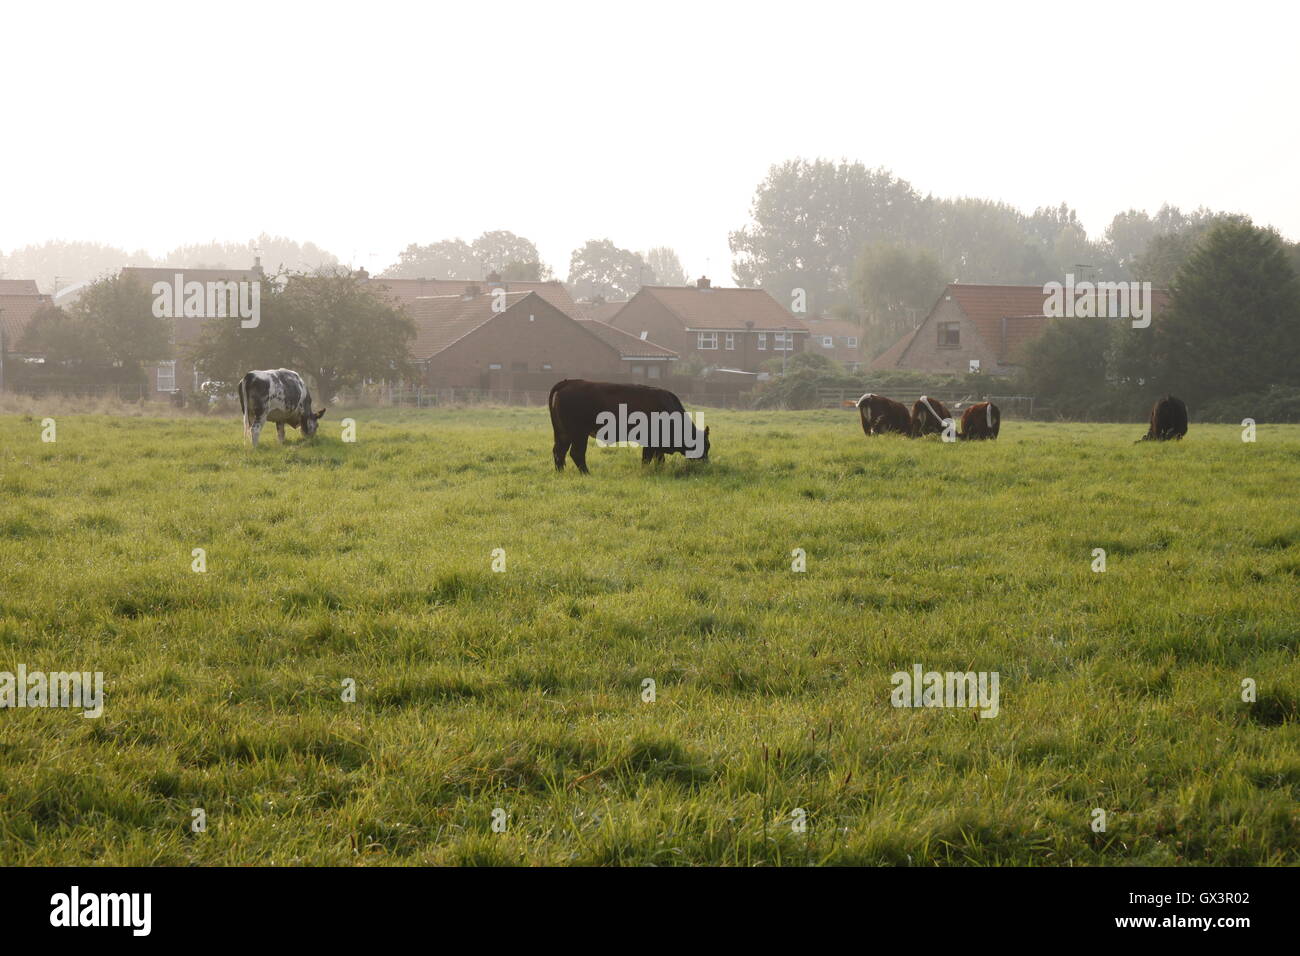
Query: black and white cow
{"x": 278, "y": 395}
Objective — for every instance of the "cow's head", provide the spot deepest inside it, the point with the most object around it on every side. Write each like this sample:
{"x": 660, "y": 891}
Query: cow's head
{"x": 309, "y": 422}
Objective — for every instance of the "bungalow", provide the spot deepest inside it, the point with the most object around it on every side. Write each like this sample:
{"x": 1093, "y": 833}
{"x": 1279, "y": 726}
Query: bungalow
{"x": 521, "y": 341}
{"x": 977, "y": 328}
{"x": 728, "y": 328}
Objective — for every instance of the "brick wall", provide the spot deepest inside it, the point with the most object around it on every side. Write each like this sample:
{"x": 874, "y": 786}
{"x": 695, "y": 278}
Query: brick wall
{"x": 926, "y": 355}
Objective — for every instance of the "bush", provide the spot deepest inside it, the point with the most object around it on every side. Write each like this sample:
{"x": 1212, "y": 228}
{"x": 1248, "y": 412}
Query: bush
{"x": 1276, "y": 404}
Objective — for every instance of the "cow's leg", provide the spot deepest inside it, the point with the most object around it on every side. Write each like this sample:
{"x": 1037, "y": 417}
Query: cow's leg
{"x": 279, "y": 431}
{"x": 560, "y": 449}
{"x": 578, "y": 452}
{"x": 256, "y": 429}
{"x": 647, "y": 455}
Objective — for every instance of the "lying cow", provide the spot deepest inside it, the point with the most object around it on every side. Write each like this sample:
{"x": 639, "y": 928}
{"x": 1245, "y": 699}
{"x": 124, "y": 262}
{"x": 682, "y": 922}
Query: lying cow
{"x": 278, "y": 395}
{"x": 881, "y": 415}
{"x": 582, "y": 410}
{"x": 1168, "y": 420}
{"x": 982, "y": 420}
{"x": 929, "y": 416}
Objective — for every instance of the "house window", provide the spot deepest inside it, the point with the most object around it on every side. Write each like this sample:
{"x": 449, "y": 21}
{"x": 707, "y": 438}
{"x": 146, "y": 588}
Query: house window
{"x": 731, "y": 341}
{"x": 167, "y": 377}
{"x": 652, "y": 371}
{"x": 494, "y": 366}
{"x": 828, "y": 342}
{"x": 784, "y": 341}
{"x": 762, "y": 341}
{"x": 949, "y": 335}
{"x": 708, "y": 340}
{"x": 546, "y": 366}
{"x": 851, "y": 341}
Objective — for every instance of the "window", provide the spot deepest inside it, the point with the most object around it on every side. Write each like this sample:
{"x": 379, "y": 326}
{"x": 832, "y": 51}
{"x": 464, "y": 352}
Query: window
{"x": 652, "y": 371}
{"x": 949, "y": 335}
{"x": 762, "y": 341}
{"x": 851, "y": 341}
{"x": 708, "y": 340}
{"x": 731, "y": 341}
{"x": 828, "y": 342}
{"x": 494, "y": 366}
{"x": 167, "y": 377}
{"x": 546, "y": 366}
{"x": 784, "y": 341}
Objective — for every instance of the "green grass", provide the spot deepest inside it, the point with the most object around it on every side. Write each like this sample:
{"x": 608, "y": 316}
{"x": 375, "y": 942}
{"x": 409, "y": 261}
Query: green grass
{"x": 522, "y": 690}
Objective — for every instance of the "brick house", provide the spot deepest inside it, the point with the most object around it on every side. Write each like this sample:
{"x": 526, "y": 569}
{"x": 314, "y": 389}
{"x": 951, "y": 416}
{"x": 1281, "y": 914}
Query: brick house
{"x": 178, "y": 373}
{"x": 838, "y": 340}
{"x": 725, "y": 328}
{"x": 407, "y": 291}
{"x": 521, "y": 341}
{"x": 988, "y": 324}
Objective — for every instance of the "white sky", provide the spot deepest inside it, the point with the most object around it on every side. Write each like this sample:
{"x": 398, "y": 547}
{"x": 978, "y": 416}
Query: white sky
{"x": 650, "y": 124}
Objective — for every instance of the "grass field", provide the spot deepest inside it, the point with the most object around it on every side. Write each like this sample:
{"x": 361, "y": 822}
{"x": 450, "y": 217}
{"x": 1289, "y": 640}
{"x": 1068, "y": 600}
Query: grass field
{"x": 522, "y": 690}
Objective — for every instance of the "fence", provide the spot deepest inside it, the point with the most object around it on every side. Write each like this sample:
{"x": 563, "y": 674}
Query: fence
{"x": 1011, "y": 406}
{"x": 122, "y": 393}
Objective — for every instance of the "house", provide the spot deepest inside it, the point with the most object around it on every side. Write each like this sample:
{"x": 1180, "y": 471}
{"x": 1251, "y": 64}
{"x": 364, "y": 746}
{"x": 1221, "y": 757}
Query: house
{"x": 987, "y": 324}
{"x": 407, "y": 291}
{"x": 522, "y": 341}
{"x": 727, "y": 328}
{"x": 838, "y": 340}
{"x": 178, "y": 373}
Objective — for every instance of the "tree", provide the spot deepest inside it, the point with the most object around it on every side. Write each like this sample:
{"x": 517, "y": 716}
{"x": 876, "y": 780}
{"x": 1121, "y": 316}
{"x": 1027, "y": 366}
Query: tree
{"x": 335, "y": 328}
{"x": 601, "y": 268}
{"x": 1066, "y": 365}
{"x": 108, "y": 333}
{"x": 511, "y": 256}
{"x": 60, "y": 263}
{"x": 1233, "y": 324}
{"x": 663, "y": 262}
{"x": 810, "y": 219}
{"x": 277, "y": 253}
{"x": 895, "y": 284}
{"x": 448, "y": 259}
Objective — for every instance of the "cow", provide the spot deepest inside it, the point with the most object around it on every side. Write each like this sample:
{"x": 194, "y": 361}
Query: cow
{"x": 881, "y": 415}
{"x": 928, "y": 417}
{"x": 278, "y": 395}
{"x": 581, "y": 409}
{"x": 1168, "y": 420}
{"x": 982, "y": 420}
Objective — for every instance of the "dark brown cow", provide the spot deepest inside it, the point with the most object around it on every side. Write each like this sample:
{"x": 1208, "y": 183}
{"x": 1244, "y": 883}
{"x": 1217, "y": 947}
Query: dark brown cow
{"x": 1168, "y": 420}
{"x": 928, "y": 416}
{"x": 577, "y": 408}
{"x": 881, "y": 416}
{"x": 982, "y": 420}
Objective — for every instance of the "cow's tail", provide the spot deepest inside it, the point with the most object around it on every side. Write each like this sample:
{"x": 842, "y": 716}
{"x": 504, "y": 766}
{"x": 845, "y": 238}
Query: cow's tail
{"x": 243, "y": 402}
{"x": 555, "y": 414}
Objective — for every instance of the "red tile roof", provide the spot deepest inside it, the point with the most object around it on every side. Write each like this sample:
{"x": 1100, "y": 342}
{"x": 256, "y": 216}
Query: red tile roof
{"x": 627, "y": 345}
{"x": 18, "y": 287}
{"x": 715, "y": 308}
{"x": 441, "y": 321}
{"x": 889, "y": 358}
{"x": 16, "y": 312}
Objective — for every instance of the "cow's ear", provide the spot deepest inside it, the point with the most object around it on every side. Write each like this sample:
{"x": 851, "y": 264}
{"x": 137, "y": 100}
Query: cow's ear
{"x": 321, "y": 413}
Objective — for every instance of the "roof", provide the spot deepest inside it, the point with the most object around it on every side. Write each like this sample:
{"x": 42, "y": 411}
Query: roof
{"x": 18, "y": 287}
{"x": 16, "y": 312}
{"x": 889, "y": 358}
{"x": 626, "y": 344}
{"x": 443, "y": 320}
{"x": 408, "y": 290}
{"x": 833, "y": 327}
{"x": 602, "y": 311}
{"x": 151, "y": 274}
{"x": 714, "y": 308}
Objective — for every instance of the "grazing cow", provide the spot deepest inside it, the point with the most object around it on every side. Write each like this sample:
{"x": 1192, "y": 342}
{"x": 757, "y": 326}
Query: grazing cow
{"x": 1168, "y": 420}
{"x": 882, "y": 415}
{"x": 576, "y": 414}
{"x": 278, "y": 395}
{"x": 982, "y": 420}
{"x": 928, "y": 416}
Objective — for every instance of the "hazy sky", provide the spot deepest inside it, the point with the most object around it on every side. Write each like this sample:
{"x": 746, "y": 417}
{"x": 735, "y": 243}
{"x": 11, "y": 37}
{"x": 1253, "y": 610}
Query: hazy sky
{"x": 367, "y": 126}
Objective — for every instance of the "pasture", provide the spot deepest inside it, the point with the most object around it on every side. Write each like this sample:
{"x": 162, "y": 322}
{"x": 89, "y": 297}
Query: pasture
{"x": 522, "y": 690}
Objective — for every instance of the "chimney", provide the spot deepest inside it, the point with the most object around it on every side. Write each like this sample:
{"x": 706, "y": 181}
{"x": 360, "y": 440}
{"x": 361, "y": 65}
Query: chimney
{"x": 702, "y": 283}
{"x": 493, "y": 279}
{"x": 471, "y": 291}
{"x": 362, "y": 274}
{"x": 257, "y": 266}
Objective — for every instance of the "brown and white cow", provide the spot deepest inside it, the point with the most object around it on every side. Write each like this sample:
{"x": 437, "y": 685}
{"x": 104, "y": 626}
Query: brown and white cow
{"x": 882, "y": 416}
{"x": 982, "y": 420}
{"x": 1168, "y": 420}
{"x": 277, "y": 395}
{"x": 929, "y": 416}
{"x": 582, "y": 410}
